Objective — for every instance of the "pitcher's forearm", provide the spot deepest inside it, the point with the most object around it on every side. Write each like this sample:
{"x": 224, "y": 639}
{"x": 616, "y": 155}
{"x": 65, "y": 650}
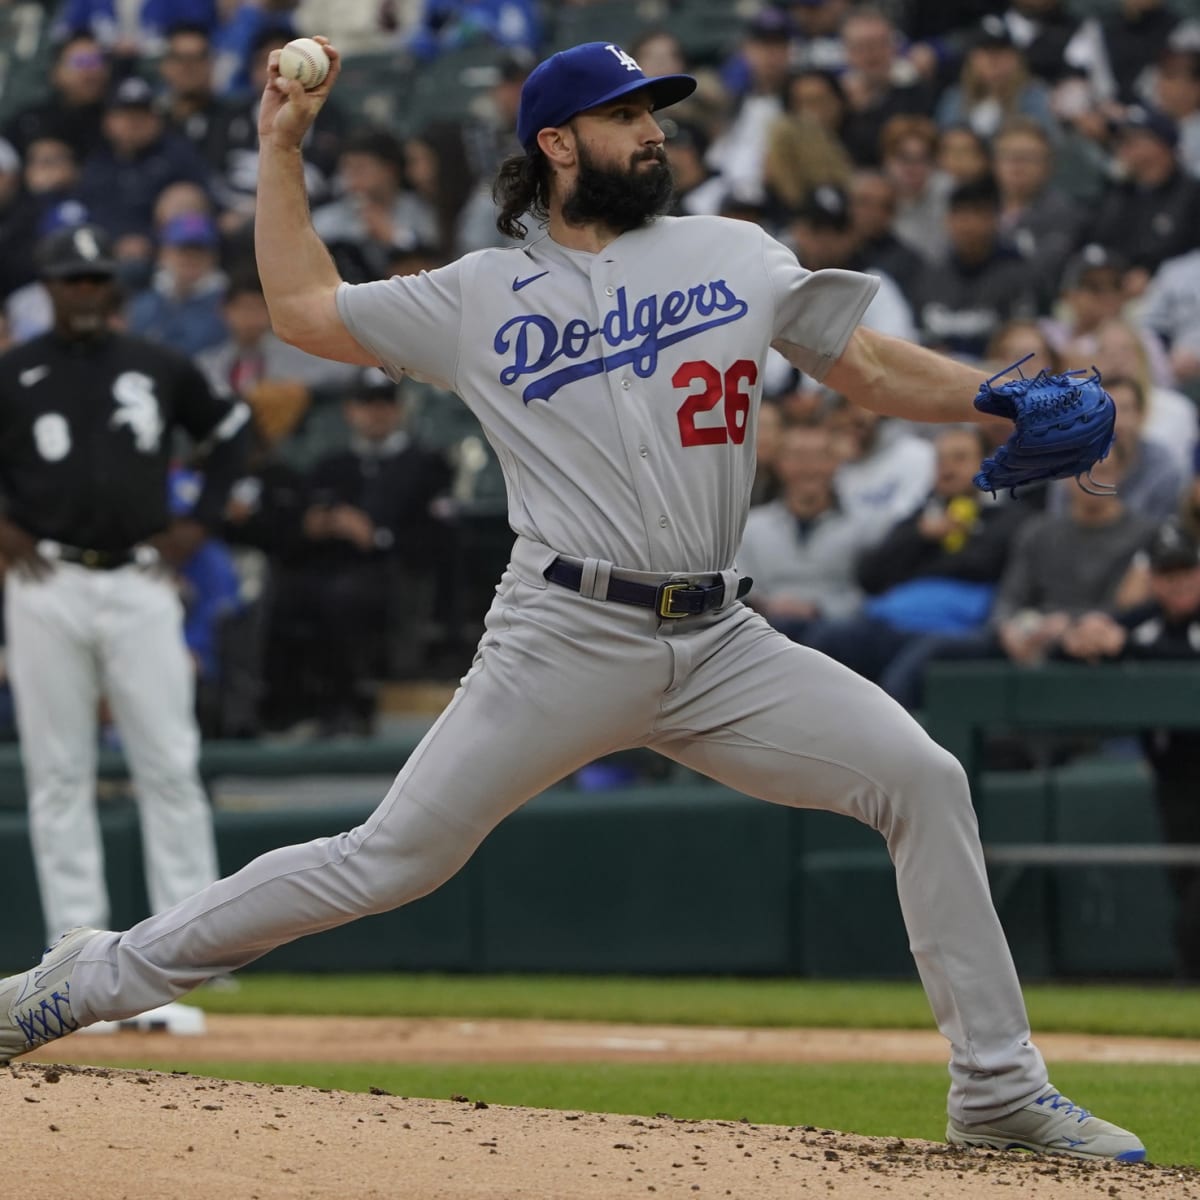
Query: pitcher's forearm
{"x": 901, "y": 379}
{"x": 293, "y": 263}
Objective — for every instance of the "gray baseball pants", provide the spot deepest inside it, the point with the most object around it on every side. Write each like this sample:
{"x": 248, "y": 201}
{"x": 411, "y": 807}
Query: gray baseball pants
{"x": 724, "y": 694}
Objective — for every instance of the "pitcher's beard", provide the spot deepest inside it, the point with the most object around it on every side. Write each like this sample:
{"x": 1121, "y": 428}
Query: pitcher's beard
{"x": 622, "y": 199}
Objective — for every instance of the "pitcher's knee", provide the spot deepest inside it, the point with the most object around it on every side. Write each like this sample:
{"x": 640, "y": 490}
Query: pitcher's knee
{"x": 933, "y": 783}
{"x": 390, "y": 869}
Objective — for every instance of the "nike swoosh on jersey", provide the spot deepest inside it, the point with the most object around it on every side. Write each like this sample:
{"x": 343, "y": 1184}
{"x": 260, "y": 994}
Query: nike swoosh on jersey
{"x": 518, "y": 284}
{"x": 32, "y": 375}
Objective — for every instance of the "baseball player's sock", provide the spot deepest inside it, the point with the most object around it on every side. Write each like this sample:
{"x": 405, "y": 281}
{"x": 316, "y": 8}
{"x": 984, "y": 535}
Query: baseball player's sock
{"x": 35, "y": 1006}
{"x": 1051, "y": 1124}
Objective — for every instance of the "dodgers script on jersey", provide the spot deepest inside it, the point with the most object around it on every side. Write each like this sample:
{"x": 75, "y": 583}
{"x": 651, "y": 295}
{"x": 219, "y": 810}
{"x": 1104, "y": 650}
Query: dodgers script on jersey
{"x": 619, "y": 389}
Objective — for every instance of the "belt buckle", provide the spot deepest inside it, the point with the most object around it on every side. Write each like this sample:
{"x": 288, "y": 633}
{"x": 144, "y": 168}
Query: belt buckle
{"x": 665, "y": 592}
{"x": 90, "y": 558}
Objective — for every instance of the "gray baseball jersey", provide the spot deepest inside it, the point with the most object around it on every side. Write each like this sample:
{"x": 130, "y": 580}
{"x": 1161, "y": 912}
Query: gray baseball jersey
{"x": 619, "y": 389}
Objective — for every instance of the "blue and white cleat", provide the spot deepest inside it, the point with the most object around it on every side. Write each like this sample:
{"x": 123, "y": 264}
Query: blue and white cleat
{"x": 1051, "y": 1124}
{"x": 35, "y": 1006}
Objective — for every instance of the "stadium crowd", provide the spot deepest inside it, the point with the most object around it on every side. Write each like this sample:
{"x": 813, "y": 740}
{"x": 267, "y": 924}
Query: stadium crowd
{"x": 1024, "y": 179}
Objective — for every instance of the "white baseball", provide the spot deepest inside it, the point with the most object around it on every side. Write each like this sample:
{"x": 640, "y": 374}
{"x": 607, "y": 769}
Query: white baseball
{"x": 305, "y": 60}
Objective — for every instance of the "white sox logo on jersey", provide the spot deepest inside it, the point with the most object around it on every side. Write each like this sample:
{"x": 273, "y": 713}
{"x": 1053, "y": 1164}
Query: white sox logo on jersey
{"x": 635, "y": 331}
{"x": 137, "y": 408}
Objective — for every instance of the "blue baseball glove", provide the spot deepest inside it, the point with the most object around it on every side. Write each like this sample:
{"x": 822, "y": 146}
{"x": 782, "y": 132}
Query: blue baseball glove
{"x": 1064, "y": 426}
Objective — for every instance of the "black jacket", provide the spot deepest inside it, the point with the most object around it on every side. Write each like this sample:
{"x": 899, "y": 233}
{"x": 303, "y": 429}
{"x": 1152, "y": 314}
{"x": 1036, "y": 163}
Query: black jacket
{"x": 906, "y": 554}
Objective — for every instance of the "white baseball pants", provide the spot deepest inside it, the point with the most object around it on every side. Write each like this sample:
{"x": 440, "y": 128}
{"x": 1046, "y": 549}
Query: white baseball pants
{"x": 73, "y": 637}
{"x": 560, "y": 680}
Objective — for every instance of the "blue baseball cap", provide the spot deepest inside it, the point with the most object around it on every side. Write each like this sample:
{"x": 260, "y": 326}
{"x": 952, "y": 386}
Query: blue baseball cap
{"x": 583, "y": 77}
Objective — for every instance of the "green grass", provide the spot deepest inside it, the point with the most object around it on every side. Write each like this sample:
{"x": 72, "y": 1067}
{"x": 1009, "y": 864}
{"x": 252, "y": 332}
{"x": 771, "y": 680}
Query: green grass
{"x": 881, "y": 1099}
{"x": 1162, "y": 1011}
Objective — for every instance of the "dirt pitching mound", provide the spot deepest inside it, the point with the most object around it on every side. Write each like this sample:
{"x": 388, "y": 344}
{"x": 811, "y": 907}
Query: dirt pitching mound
{"x": 140, "y": 1135}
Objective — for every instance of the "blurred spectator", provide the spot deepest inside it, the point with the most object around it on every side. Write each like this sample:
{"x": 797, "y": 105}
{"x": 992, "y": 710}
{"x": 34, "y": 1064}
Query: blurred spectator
{"x": 659, "y": 52}
{"x": 1176, "y": 93}
{"x": 995, "y": 85}
{"x": 962, "y": 156}
{"x": 877, "y": 83}
{"x": 1066, "y": 564}
{"x": 234, "y": 146}
{"x": 819, "y": 95}
{"x": 907, "y": 145}
{"x": 1166, "y": 627}
{"x": 818, "y": 24}
{"x": 376, "y": 213}
{"x": 251, "y": 357}
{"x": 1041, "y": 29}
{"x": 801, "y": 549}
{"x": 983, "y": 282}
{"x": 1012, "y": 342}
{"x": 1116, "y": 49}
{"x": 138, "y": 29}
{"x": 239, "y": 41}
{"x": 30, "y": 197}
{"x": 933, "y": 574}
{"x": 1153, "y": 212}
{"x": 1171, "y": 308}
{"x": 699, "y": 190}
{"x": 188, "y": 96}
{"x": 1152, "y": 481}
{"x": 182, "y": 307}
{"x": 767, "y": 435}
{"x": 1170, "y": 416}
{"x": 369, "y": 516}
{"x": 447, "y": 25}
{"x": 135, "y": 159}
{"x": 211, "y": 594}
{"x": 740, "y": 152}
{"x": 872, "y": 216}
{"x": 884, "y": 471}
{"x": 1038, "y": 219}
{"x": 489, "y": 142}
{"x": 800, "y": 157}
{"x": 1091, "y": 292}
{"x": 823, "y": 237}
{"x": 79, "y": 82}
{"x": 1062, "y": 565}
{"x": 438, "y": 172}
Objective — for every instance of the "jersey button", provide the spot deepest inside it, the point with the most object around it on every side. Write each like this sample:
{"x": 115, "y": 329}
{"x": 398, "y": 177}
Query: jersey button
{"x": 625, "y": 385}
{"x": 663, "y": 522}
{"x": 608, "y": 291}
{"x": 643, "y": 451}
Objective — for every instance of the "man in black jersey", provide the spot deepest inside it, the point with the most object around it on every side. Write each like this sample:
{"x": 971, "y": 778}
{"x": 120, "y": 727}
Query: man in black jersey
{"x": 87, "y": 421}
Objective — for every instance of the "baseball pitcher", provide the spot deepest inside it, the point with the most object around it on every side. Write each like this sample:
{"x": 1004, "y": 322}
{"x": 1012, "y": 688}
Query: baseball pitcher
{"x": 614, "y": 359}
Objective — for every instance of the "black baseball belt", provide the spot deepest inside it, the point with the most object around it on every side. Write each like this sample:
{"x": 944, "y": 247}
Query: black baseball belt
{"x": 672, "y": 599}
{"x": 98, "y": 560}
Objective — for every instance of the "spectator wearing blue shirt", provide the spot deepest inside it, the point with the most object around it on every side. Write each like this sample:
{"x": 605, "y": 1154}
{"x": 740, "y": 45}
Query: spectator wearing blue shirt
{"x": 182, "y": 307}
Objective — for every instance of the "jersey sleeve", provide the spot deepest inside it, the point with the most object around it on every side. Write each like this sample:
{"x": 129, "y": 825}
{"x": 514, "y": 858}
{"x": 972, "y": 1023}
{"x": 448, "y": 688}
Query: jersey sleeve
{"x": 209, "y": 414}
{"x": 815, "y": 311}
{"x": 411, "y": 323}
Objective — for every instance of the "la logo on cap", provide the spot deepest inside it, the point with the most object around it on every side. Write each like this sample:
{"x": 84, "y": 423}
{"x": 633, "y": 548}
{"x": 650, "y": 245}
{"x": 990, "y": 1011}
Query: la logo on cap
{"x": 624, "y": 58}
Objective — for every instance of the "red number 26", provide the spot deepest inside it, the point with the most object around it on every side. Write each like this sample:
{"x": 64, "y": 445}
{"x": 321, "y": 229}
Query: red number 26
{"x": 730, "y": 388}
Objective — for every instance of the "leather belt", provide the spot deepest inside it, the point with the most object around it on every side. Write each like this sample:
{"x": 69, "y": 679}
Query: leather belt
{"x": 95, "y": 560}
{"x": 673, "y": 599}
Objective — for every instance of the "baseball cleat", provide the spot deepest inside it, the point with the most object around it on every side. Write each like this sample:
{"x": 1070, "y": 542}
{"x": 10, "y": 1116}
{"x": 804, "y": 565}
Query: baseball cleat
{"x": 1051, "y": 1124}
{"x": 35, "y": 1006}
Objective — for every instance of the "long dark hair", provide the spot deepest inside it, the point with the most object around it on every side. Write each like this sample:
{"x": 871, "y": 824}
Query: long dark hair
{"x": 522, "y": 186}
